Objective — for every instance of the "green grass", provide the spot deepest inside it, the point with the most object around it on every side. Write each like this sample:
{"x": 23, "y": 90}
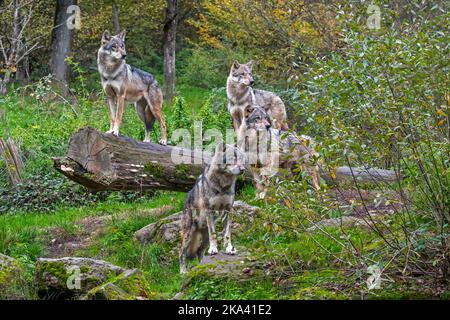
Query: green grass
{"x": 26, "y": 236}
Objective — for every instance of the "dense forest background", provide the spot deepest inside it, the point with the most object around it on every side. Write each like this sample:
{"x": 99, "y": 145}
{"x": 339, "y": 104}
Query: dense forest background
{"x": 369, "y": 80}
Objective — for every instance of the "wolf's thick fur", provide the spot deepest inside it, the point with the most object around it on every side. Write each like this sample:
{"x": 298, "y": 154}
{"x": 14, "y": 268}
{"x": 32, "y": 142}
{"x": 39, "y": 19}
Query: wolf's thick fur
{"x": 268, "y": 148}
{"x": 124, "y": 83}
{"x": 211, "y": 197}
{"x": 241, "y": 94}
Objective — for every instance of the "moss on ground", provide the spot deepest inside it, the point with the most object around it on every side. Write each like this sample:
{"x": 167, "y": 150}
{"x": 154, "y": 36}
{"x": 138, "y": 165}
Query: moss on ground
{"x": 13, "y": 284}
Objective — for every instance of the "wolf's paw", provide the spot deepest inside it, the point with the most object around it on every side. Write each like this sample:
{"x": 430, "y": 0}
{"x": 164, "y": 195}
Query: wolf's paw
{"x": 114, "y": 132}
{"x": 261, "y": 195}
{"x": 212, "y": 250}
{"x": 146, "y": 140}
{"x": 230, "y": 250}
{"x": 183, "y": 270}
{"x": 162, "y": 142}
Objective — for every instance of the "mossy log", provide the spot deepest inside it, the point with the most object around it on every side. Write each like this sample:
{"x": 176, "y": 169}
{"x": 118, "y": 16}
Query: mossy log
{"x": 102, "y": 161}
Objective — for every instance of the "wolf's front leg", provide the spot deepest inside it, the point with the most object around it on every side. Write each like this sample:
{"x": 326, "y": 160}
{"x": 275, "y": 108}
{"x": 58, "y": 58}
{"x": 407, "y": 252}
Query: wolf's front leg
{"x": 120, "y": 107}
{"x": 212, "y": 233}
{"x": 229, "y": 249}
{"x": 112, "y": 113}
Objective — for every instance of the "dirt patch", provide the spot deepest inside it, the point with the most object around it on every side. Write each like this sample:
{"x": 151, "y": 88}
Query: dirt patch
{"x": 64, "y": 243}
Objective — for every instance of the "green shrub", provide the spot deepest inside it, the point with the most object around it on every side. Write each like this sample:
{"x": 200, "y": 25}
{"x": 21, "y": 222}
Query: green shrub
{"x": 206, "y": 67}
{"x": 213, "y": 113}
{"x": 180, "y": 116}
{"x": 383, "y": 102}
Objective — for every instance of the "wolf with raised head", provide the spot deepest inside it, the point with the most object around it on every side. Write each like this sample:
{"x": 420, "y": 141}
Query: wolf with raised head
{"x": 240, "y": 94}
{"x": 123, "y": 83}
{"x": 211, "y": 198}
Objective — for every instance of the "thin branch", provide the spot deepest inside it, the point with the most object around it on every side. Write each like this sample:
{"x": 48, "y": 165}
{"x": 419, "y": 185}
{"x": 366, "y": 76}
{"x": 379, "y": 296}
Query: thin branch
{"x": 3, "y": 49}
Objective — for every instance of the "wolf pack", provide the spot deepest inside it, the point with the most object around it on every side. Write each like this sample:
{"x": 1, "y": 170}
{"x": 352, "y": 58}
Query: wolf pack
{"x": 259, "y": 120}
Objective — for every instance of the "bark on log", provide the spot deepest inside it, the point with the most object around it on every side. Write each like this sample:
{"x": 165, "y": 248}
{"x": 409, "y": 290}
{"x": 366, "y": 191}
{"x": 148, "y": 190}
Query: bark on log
{"x": 101, "y": 161}
{"x": 347, "y": 174}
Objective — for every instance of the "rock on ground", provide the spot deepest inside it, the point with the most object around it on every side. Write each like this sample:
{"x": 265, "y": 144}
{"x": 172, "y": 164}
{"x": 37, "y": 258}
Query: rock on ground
{"x": 168, "y": 229}
{"x": 71, "y": 277}
{"x": 365, "y": 222}
{"x": 130, "y": 285}
{"x": 222, "y": 267}
{"x": 13, "y": 285}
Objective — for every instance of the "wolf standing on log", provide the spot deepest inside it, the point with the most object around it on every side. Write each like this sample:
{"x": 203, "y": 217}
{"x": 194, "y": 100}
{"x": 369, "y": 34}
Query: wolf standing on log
{"x": 124, "y": 83}
{"x": 241, "y": 94}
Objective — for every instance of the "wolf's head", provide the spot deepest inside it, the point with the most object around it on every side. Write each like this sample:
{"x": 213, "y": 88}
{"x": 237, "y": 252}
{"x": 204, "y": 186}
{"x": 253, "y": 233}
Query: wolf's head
{"x": 242, "y": 73}
{"x": 114, "y": 46}
{"x": 228, "y": 159}
{"x": 257, "y": 118}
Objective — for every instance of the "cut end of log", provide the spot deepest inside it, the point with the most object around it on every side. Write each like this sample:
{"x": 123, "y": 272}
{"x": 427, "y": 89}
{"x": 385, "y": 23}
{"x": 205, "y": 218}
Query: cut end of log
{"x": 101, "y": 161}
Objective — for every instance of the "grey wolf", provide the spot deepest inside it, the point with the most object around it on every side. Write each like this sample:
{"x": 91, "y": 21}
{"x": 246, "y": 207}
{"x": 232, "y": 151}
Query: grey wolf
{"x": 211, "y": 197}
{"x": 269, "y": 148}
{"x": 124, "y": 83}
{"x": 241, "y": 94}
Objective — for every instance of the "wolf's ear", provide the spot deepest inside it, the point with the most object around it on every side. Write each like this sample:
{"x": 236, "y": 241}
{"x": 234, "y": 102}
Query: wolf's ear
{"x": 235, "y": 65}
{"x": 250, "y": 64}
{"x": 106, "y": 36}
{"x": 121, "y": 35}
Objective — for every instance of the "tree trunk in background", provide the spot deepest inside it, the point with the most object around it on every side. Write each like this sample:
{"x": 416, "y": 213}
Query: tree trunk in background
{"x": 11, "y": 59}
{"x": 115, "y": 13}
{"x": 170, "y": 36}
{"x": 15, "y": 47}
{"x": 62, "y": 39}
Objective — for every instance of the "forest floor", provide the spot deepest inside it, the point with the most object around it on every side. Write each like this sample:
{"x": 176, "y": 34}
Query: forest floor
{"x": 281, "y": 266}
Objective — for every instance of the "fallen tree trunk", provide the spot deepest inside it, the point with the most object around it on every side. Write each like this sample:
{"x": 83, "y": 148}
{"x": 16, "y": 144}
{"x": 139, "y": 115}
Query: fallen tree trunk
{"x": 349, "y": 175}
{"x": 101, "y": 161}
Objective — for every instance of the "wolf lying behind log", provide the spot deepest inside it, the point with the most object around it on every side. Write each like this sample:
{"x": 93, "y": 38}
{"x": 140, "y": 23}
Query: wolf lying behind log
{"x": 270, "y": 149}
